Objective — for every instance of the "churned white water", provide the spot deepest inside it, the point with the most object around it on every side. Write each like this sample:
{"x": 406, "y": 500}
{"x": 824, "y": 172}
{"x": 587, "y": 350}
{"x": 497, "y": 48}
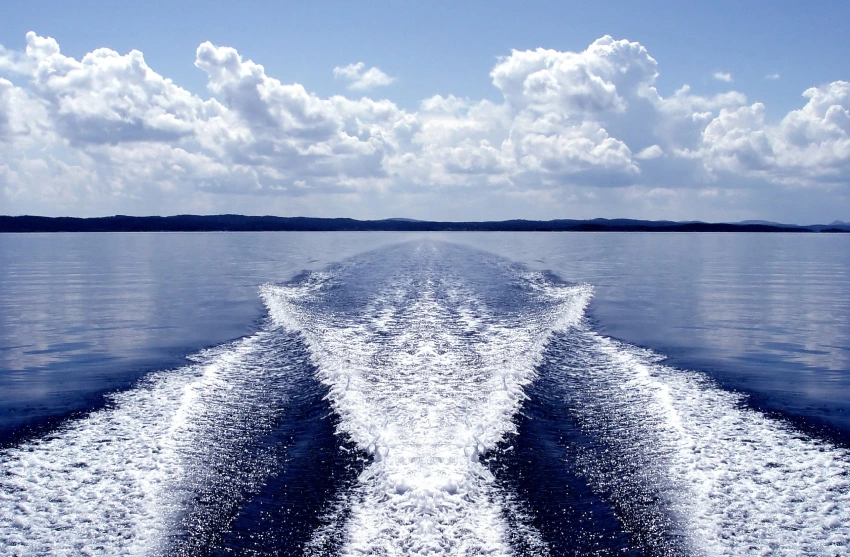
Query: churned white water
{"x": 426, "y": 377}
{"x": 731, "y": 480}
{"x": 427, "y": 351}
{"x": 121, "y": 480}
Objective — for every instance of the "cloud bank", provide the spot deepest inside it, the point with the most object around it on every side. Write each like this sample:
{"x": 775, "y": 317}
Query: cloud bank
{"x": 576, "y": 134}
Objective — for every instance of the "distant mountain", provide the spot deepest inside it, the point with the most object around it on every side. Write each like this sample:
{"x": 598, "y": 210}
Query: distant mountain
{"x": 209, "y": 223}
{"x": 834, "y": 226}
{"x": 769, "y": 223}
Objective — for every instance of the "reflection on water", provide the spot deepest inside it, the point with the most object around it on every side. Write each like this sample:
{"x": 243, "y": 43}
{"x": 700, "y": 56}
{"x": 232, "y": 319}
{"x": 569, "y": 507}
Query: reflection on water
{"x": 766, "y": 313}
{"x": 81, "y": 314}
{"x": 85, "y": 313}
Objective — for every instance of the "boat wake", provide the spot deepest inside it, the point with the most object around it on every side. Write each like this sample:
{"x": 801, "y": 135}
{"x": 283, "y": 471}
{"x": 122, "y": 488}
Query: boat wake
{"x": 476, "y": 412}
{"x": 689, "y": 468}
{"x": 426, "y": 363}
{"x": 163, "y": 469}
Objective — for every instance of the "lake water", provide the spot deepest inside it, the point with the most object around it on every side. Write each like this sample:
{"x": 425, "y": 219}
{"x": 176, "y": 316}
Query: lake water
{"x": 425, "y": 394}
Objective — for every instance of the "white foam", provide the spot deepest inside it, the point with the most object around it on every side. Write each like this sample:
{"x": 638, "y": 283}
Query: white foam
{"x": 118, "y": 481}
{"x": 425, "y": 378}
{"x": 736, "y": 481}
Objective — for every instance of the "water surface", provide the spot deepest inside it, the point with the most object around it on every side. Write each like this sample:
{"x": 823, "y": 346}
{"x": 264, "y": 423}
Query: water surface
{"x": 436, "y": 394}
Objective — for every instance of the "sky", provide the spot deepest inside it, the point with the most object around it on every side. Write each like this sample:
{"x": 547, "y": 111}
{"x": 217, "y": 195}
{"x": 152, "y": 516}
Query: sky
{"x": 716, "y": 111}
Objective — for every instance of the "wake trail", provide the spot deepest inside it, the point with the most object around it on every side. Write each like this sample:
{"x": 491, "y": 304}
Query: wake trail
{"x": 426, "y": 370}
{"x": 690, "y": 469}
{"x": 163, "y": 468}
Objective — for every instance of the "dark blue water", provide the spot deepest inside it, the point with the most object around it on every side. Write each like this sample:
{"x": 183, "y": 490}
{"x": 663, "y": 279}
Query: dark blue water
{"x": 765, "y": 314}
{"x": 446, "y": 394}
{"x": 84, "y": 314}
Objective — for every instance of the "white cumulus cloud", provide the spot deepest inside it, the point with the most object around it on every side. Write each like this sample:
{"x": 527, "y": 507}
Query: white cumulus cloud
{"x": 360, "y": 78}
{"x": 809, "y": 146}
{"x": 723, "y": 76}
{"x": 651, "y": 152}
{"x": 573, "y": 134}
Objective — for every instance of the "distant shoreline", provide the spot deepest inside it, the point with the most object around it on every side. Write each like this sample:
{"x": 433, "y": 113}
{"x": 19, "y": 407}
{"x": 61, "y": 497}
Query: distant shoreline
{"x": 241, "y": 223}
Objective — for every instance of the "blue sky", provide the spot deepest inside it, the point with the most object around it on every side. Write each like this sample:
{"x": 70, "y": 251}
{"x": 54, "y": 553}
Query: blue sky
{"x": 446, "y": 123}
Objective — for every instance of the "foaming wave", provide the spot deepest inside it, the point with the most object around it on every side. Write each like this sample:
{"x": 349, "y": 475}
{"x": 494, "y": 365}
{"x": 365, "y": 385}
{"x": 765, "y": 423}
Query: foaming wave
{"x": 160, "y": 470}
{"x": 690, "y": 468}
{"x": 426, "y": 368}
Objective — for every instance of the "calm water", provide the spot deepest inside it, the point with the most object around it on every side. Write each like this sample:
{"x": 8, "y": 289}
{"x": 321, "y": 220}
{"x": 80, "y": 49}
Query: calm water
{"x": 766, "y": 314}
{"x": 404, "y": 394}
{"x": 85, "y": 314}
